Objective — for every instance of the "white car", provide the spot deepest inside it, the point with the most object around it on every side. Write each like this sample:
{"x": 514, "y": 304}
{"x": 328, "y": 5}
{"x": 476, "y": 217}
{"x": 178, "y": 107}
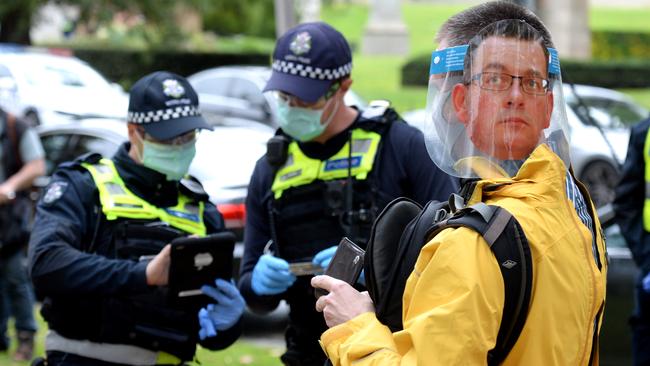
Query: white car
{"x": 45, "y": 88}
{"x": 224, "y": 161}
{"x": 595, "y": 159}
{"x": 236, "y": 91}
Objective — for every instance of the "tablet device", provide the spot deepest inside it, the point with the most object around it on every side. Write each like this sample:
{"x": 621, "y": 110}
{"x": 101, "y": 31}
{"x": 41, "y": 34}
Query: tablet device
{"x": 199, "y": 261}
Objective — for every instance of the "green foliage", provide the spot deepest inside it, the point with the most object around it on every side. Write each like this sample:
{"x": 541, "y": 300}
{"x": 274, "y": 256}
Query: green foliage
{"x": 250, "y": 17}
{"x": 609, "y": 45}
{"x": 126, "y": 66}
{"x": 157, "y": 26}
{"x": 416, "y": 70}
{"x": 608, "y": 74}
{"x": 16, "y": 19}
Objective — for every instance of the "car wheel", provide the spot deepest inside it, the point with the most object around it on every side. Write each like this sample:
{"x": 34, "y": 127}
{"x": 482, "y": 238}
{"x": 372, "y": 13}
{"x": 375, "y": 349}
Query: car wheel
{"x": 32, "y": 119}
{"x": 600, "y": 178}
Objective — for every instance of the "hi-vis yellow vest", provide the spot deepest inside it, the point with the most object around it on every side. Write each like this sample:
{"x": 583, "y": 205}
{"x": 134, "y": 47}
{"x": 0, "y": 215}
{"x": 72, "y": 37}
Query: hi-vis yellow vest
{"x": 119, "y": 202}
{"x": 300, "y": 169}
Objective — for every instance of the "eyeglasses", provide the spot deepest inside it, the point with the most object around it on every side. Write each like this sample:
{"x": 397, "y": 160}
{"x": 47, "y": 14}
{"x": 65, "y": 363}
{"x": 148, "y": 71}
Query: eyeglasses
{"x": 498, "y": 81}
{"x": 175, "y": 141}
{"x": 320, "y": 103}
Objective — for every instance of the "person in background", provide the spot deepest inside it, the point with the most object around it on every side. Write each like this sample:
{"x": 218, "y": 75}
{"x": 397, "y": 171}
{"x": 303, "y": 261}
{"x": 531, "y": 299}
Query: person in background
{"x": 21, "y": 161}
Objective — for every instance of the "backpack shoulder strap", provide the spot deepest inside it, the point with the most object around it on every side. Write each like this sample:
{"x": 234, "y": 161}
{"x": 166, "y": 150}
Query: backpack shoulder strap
{"x": 507, "y": 240}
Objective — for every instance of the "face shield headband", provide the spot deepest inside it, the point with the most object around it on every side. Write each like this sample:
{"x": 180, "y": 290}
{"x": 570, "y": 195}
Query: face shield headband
{"x": 492, "y": 102}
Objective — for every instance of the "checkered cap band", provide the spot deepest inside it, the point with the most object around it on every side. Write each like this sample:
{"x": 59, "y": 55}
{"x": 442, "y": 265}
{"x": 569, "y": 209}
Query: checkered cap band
{"x": 163, "y": 114}
{"x": 311, "y": 72}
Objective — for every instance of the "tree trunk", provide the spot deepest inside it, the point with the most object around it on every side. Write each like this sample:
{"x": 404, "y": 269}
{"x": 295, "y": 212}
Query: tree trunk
{"x": 15, "y": 23}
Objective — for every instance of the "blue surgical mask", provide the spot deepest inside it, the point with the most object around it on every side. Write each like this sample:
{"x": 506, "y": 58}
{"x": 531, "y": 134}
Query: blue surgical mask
{"x": 303, "y": 124}
{"x": 171, "y": 160}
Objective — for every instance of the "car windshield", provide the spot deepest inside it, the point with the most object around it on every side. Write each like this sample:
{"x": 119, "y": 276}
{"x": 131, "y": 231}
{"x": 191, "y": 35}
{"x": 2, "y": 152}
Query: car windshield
{"x": 608, "y": 108}
{"x": 62, "y": 73}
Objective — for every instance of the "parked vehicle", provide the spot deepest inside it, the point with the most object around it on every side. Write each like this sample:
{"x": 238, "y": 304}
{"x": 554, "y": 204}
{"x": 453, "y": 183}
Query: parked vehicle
{"x": 236, "y": 91}
{"x": 595, "y": 162}
{"x": 46, "y": 88}
{"x": 224, "y": 161}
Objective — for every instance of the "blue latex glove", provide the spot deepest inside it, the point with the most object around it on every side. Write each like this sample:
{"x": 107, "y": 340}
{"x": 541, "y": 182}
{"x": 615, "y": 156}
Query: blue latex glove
{"x": 324, "y": 257}
{"x": 271, "y": 276}
{"x": 225, "y": 313}
{"x": 646, "y": 283}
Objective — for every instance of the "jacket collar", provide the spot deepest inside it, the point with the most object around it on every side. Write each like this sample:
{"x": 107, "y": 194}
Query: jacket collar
{"x": 542, "y": 166}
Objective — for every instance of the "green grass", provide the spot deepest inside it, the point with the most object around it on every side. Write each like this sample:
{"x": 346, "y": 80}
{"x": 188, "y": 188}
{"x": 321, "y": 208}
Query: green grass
{"x": 240, "y": 353}
{"x": 620, "y": 19}
{"x": 378, "y": 77}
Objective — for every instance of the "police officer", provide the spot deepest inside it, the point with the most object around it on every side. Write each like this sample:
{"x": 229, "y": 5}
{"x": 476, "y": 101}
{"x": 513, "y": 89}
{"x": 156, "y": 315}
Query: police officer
{"x": 328, "y": 172}
{"x": 98, "y": 222}
{"x": 632, "y": 207}
{"x": 504, "y": 129}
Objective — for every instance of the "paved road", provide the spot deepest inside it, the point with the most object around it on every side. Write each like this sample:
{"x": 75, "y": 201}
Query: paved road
{"x": 266, "y": 330}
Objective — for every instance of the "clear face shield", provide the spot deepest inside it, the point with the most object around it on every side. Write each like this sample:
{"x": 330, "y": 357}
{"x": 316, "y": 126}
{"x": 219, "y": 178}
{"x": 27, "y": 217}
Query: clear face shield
{"x": 492, "y": 102}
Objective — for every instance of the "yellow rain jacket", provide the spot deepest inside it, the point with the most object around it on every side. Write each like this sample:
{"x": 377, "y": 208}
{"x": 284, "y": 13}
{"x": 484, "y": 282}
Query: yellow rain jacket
{"x": 453, "y": 301}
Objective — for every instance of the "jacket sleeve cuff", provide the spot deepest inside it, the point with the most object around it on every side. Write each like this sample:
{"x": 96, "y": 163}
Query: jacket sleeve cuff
{"x": 140, "y": 276}
{"x": 259, "y": 304}
{"x": 362, "y": 333}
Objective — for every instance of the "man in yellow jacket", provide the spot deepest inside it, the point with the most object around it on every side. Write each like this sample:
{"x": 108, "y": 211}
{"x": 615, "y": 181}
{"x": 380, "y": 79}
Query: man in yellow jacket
{"x": 496, "y": 115}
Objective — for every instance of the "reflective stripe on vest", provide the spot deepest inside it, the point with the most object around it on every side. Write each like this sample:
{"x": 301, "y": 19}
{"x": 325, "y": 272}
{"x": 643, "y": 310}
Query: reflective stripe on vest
{"x": 109, "y": 352}
{"x": 300, "y": 170}
{"x": 646, "y": 160}
{"x": 119, "y": 202}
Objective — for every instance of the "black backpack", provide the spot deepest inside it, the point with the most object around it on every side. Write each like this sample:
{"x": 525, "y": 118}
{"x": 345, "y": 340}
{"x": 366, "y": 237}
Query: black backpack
{"x": 404, "y": 227}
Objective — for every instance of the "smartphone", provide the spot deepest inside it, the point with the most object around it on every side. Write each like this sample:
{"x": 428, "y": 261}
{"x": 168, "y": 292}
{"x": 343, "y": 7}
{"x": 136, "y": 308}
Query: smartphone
{"x": 346, "y": 264}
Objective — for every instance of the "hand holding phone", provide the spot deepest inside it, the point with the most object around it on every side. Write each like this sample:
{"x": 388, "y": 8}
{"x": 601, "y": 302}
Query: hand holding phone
{"x": 346, "y": 265}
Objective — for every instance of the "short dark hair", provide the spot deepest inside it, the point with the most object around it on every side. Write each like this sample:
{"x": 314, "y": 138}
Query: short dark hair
{"x": 508, "y": 28}
{"x": 462, "y": 27}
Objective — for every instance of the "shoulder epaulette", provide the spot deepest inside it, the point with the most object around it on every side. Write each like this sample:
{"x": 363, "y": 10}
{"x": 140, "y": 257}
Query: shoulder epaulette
{"x": 192, "y": 188}
{"x": 376, "y": 109}
{"x": 90, "y": 158}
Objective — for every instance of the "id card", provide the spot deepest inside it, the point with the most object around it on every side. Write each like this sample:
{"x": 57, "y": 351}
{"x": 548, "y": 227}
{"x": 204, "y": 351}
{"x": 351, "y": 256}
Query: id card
{"x": 305, "y": 268}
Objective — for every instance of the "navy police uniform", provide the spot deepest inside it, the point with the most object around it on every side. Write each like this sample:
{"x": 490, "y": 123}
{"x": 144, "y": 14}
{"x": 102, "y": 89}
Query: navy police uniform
{"x": 89, "y": 293}
{"x": 629, "y": 206}
{"x": 399, "y": 169}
